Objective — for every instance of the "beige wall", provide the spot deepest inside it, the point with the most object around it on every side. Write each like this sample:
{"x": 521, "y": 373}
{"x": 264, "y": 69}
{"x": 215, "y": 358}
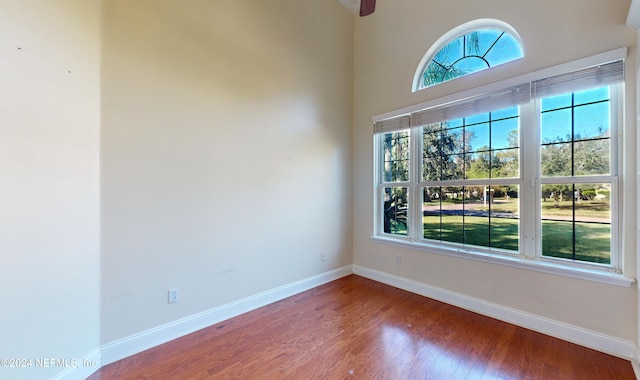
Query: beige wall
{"x": 388, "y": 47}
{"x": 226, "y": 152}
{"x": 49, "y": 169}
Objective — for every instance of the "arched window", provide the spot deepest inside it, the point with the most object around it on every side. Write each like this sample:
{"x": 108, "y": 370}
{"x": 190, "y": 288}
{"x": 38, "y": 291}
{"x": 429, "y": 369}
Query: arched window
{"x": 469, "y": 48}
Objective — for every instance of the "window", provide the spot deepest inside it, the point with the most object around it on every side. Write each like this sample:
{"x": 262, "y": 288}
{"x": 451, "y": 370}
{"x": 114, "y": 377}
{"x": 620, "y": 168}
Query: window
{"x": 527, "y": 171}
{"x": 470, "y": 48}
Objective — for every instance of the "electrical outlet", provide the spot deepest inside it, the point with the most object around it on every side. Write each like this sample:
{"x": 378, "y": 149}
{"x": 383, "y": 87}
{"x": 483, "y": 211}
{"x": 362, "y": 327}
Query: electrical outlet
{"x": 323, "y": 256}
{"x": 173, "y": 295}
{"x": 398, "y": 260}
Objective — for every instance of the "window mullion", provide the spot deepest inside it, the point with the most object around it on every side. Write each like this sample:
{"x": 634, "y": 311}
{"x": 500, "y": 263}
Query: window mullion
{"x": 415, "y": 195}
{"x": 529, "y": 201}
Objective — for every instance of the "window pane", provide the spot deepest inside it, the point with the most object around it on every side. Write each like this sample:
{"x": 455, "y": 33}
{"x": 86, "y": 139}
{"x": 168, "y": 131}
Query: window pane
{"x": 475, "y": 119}
{"x": 453, "y": 140}
{"x": 505, "y": 113}
{"x": 451, "y": 214}
{"x": 450, "y": 53}
{"x": 432, "y": 143}
{"x": 556, "y": 126}
{"x": 396, "y": 156}
{"x": 431, "y": 167}
{"x": 470, "y": 65}
{"x": 505, "y": 50}
{"x": 453, "y": 167}
{"x": 504, "y": 133}
{"x": 576, "y": 222}
{"x": 476, "y": 218}
{"x": 479, "y": 165}
{"x": 557, "y": 239}
{"x": 505, "y": 163}
{"x": 431, "y": 213}
{"x": 476, "y": 215}
{"x": 454, "y": 123}
{"x": 590, "y": 96}
{"x": 556, "y": 102}
{"x": 556, "y": 160}
{"x": 504, "y": 212}
{"x": 593, "y": 242}
{"x": 592, "y": 121}
{"x": 477, "y": 137}
{"x": 593, "y": 202}
{"x": 591, "y": 157}
{"x": 486, "y": 39}
{"x": 395, "y": 210}
{"x": 472, "y": 52}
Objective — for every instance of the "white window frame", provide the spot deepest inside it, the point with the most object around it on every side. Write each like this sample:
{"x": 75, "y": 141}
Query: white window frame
{"x": 529, "y": 256}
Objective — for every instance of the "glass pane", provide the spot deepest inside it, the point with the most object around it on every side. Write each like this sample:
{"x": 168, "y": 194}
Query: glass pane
{"x": 475, "y": 119}
{"x": 470, "y": 65}
{"x": 556, "y": 126}
{"x": 432, "y": 144}
{"x": 431, "y": 167}
{"x": 466, "y": 56}
{"x": 451, "y": 52}
{"x": 434, "y": 74}
{"x": 504, "y": 212}
{"x": 555, "y": 102}
{"x": 591, "y": 157}
{"x": 477, "y": 137}
{"x": 590, "y": 96}
{"x": 504, "y": 133}
{"x": 556, "y": 160}
{"x": 593, "y": 242}
{"x": 505, "y": 50}
{"x": 452, "y": 167}
{"x": 478, "y": 165}
{"x": 395, "y": 210}
{"x": 576, "y": 222}
{"x": 592, "y": 202}
{"x": 431, "y": 213}
{"x": 592, "y": 121}
{"x": 452, "y": 218}
{"x": 557, "y": 239}
{"x": 485, "y": 40}
{"x": 396, "y": 156}
{"x": 476, "y": 219}
{"x": 557, "y": 203}
{"x": 454, "y": 123}
{"x": 505, "y": 163}
{"x": 505, "y": 113}
{"x": 453, "y": 140}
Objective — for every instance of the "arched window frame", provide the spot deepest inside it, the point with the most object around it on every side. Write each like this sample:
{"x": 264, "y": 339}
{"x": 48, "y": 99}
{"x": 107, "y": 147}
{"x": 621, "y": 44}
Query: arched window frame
{"x": 456, "y": 32}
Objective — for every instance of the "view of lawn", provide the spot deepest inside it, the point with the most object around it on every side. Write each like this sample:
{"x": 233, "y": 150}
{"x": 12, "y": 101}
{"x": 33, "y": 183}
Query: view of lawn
{"x": 502, "y": 233}
{"x": 593, "y": 243}
{"x": 592, "y": 240}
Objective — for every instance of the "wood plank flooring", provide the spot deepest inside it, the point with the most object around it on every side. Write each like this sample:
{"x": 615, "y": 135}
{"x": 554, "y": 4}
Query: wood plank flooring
{"x": 355, "y": 328}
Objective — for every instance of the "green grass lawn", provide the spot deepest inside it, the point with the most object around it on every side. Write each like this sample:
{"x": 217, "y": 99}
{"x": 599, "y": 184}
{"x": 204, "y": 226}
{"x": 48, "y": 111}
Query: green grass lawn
{"x": 592, "y": 240}
{"x": 502, "y": 233}
{"x": 594, "y": 209}
{"x": 593, "y": 243}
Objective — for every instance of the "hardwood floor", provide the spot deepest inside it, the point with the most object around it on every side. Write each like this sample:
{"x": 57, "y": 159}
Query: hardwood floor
{"x": 355, "y": 328}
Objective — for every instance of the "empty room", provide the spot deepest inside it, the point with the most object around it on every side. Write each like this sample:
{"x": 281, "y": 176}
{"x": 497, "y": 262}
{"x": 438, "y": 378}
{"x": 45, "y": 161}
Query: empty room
{"x": 319, "y": 189}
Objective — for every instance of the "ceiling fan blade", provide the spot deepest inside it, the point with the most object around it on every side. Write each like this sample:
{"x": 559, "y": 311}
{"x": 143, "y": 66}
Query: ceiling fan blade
{"x": 367, "y": 7}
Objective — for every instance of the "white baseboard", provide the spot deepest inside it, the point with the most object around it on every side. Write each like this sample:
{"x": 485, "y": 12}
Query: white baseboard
{"x": 133, "y": 344}
{"x": 575, "y": 334}
{"x": 86, "y": 366}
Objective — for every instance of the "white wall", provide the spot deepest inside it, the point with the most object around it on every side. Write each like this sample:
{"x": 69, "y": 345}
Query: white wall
{"x": 49, "y": 169}
{"x": 388, "y": 47}
{"x": 226, "y": 152}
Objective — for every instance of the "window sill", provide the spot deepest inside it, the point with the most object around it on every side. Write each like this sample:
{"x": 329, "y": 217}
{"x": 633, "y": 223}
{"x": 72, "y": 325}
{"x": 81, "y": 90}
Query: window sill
{"x": 516, "y": 262}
